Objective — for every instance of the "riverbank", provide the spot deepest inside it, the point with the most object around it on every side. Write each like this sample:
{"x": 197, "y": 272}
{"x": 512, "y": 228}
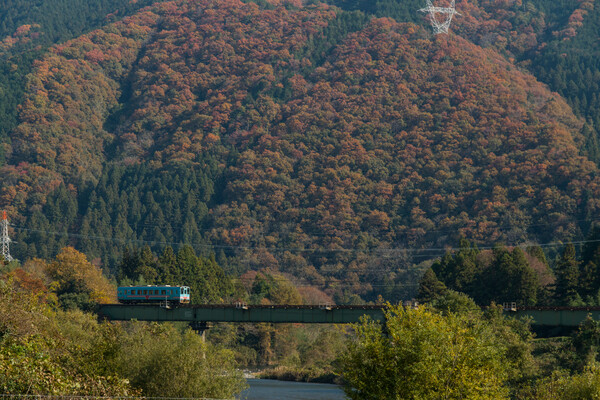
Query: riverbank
{"x": 308, "y": 375}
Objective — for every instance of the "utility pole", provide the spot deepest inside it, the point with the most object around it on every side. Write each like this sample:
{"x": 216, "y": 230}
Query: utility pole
{"x": 4, "y": 238}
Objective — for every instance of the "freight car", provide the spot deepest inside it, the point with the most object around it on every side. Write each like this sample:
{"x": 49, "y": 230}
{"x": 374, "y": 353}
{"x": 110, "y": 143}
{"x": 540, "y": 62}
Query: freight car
{"x": 153, "y": 294}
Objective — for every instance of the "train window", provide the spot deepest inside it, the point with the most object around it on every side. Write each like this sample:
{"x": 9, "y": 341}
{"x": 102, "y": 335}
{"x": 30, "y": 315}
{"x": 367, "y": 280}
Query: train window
{"x": 145, "y": 291}
{"x": 163, "y": 291}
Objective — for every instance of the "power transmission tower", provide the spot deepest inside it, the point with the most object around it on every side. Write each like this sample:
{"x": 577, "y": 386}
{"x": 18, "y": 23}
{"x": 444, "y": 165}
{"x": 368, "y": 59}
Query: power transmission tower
{"x": 447, "y": 13}
{"x": 4, "y": 239}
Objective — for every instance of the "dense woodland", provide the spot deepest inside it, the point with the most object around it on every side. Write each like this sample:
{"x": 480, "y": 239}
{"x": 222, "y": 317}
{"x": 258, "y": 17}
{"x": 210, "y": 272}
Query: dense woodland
{"x": 524, "y": 276}
{"x": 339, "y": 143}
{"x": 300, "y": 152}
{"x": 51, "y": 343}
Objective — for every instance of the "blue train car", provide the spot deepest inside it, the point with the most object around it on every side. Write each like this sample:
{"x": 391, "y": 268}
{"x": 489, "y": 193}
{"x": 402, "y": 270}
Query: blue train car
{"x": 153, "y": 294}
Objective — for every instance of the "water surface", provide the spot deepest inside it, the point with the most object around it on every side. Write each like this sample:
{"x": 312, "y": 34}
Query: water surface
{"x": 267, "y": 389}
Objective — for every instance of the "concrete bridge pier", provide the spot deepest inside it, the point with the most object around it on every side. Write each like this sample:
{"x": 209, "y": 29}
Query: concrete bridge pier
{"x": 200, "y": 327}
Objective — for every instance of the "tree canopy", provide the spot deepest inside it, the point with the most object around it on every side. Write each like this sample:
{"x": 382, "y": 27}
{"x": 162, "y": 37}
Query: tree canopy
{"x": 421, "y": 354}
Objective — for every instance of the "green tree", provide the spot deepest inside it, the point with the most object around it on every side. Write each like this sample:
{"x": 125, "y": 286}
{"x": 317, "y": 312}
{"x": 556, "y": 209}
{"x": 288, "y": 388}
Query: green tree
{"x": 167, "y": 272}
{"x": 589, "y": 281}
{"x": 454, "y": 302}
{"x": 195, "y": 369}
{"x": 147, "y": 267}
{"x": 581, "y": 386}
{"x": 586, "y": 341}
{"x": 459, "y": 270}
{"x": 509, "y": 278}
{"x": 430, "y": 287}
{"x": 567, "y": 276}
{"x": 38, "y": 355}
{"x": 420, "y": 354}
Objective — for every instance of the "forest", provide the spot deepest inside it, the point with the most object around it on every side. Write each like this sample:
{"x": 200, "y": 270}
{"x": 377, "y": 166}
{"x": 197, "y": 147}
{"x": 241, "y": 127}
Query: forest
{"x": 340, "y": 143}
{"x": 52, "y": 342}
{"x": 301, "y": 152}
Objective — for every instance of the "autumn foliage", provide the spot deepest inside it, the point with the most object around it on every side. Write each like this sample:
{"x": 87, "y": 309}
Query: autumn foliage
{"x": 309, "y": 144}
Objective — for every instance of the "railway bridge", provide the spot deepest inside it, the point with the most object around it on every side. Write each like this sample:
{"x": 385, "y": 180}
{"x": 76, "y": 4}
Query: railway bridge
{"x": 200, "y": 316}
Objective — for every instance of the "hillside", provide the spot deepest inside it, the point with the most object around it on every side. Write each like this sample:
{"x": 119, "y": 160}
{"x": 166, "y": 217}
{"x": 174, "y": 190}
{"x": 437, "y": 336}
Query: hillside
{"x": 556, "y": 40}
{"x": 28, "y": 28}
{"x": 301, "y": 138}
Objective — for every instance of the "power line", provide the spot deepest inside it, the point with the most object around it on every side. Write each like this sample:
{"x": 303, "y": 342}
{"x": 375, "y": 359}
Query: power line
{"x": 279, "y": 276}
{"x": 502, "y": 227}
{"x": 433, "y": 251}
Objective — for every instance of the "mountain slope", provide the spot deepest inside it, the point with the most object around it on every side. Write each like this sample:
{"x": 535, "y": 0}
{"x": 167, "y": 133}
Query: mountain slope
{"x": 286, "y": 137}
{"x": 28, "y": 28}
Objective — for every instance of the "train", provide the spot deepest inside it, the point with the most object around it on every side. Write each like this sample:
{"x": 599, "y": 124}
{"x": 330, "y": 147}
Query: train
{"x": 153, "y": 294}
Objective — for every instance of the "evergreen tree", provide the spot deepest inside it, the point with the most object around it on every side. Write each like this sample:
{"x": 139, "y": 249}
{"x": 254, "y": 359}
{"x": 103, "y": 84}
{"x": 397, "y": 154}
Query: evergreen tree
{"x": 526, "y": 281}
{"x": 511, "y": 278}
{"x": 167, "y": 271}
{"x": 430, "y": 287}
{"x": 129, "y": 264}
{"x": 458, "y": 271}
{"x": 589, "y": 281}
{"x": 147, "y": 266}
{"x": 567, "y": 276}
{"x": 538, "y": 252}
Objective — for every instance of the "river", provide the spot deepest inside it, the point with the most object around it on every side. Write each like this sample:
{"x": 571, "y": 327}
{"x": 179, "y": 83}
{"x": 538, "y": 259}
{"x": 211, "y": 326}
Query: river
{"x": 267, "y": 389}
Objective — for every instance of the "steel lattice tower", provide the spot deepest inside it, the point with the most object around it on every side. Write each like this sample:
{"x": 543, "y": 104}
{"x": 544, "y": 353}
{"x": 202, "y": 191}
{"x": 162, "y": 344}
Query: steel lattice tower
{"x": 4, "y": 239}
{"x": 434, "y": 11}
